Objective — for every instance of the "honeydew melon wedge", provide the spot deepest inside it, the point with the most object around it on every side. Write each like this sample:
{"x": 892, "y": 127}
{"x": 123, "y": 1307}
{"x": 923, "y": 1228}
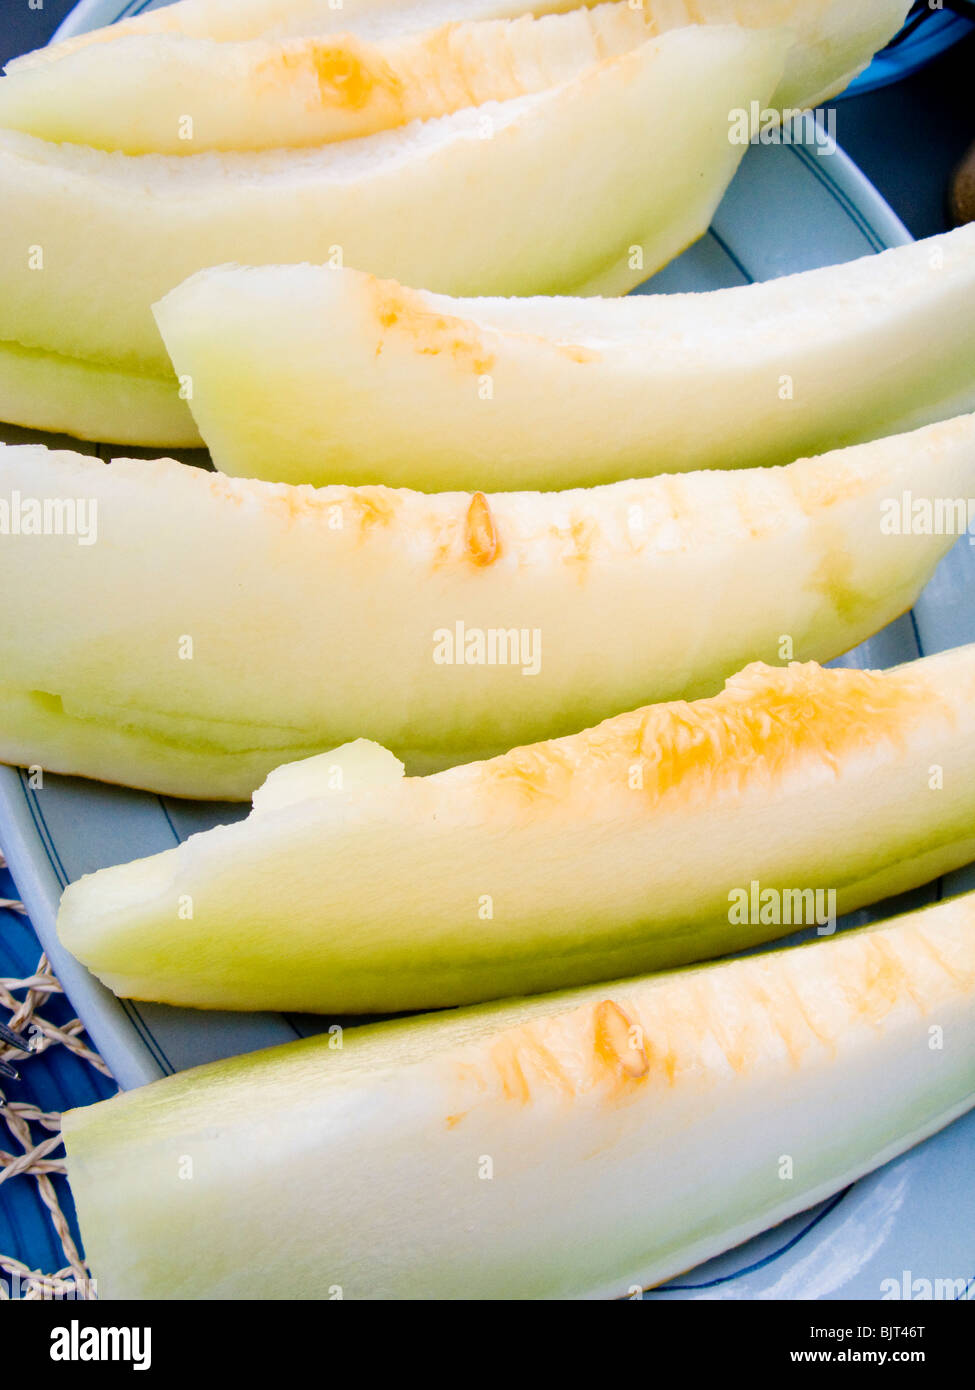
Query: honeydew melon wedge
{"x": 631, "y": 1131}
{"x": 548, "y": 192}
{"x": 181, "y": 97}
{"x": 287, "y": 364}
{"x": 601, "y": 854}
{"x": 833, "y": 40}
{"x": 219, "y": 627}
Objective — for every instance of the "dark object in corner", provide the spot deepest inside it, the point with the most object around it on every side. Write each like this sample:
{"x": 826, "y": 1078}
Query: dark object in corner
{"x": 961, "y": 191}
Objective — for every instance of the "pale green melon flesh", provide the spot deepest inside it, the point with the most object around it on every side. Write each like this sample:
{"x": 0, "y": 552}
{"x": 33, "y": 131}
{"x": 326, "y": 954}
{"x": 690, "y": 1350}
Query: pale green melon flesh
{"x": 288, "y": 362}
{"x": 555, "y": 864}
{"x": 219, "y": 627}
{"x": 69, "y": 395}
{"x": 137, "y": 91}
{"x": 539, "y": 194}
{"x": 338, "y": 771}
{"x": 834, "y": 39}
{"x": 312, "y": 1171}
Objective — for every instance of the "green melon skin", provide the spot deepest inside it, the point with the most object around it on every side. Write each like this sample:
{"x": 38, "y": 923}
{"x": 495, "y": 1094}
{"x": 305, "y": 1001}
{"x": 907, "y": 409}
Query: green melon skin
{"x": 543, "y": 194}
{"x": 602, "y": 854}
{"x": 632, "y": 1131}
{"x": 288, "y": 362}
{"x": 833, "y": 40}
{"x": 121, "y": 746}
{"x": 70, "y": 395}
{"x": 133, "y": 90}
{"x": 219, "y": 627}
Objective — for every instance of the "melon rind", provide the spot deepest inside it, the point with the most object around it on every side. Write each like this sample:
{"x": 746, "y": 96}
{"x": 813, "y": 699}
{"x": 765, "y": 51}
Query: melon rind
{"x": 359, "y": 1171}
{"x": 91, "y": 400}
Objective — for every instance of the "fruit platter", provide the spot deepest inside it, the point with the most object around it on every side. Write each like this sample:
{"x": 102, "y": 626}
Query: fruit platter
{"x": 487, "y": 660}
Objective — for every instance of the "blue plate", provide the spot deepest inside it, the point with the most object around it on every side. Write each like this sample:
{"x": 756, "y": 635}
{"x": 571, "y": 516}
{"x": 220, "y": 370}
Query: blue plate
{"x": 939, "y": 31}
{"x": 789, "y": 209}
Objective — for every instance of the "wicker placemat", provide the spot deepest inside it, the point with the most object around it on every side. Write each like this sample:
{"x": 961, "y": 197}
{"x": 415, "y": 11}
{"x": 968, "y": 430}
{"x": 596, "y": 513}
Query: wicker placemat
{"x": 30, "y": 1138}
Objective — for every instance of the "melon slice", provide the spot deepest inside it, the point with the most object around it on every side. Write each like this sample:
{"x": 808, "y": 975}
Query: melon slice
{"x": 601, "y": 854}
{"x": 185, "y": 96}
{"x": 220, "y": 627}
{"x": 288, "y": 364}
{"x": 547, "y": 192}
{"x": 631, "y": 1131}
{"x": 833, "y": 39}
